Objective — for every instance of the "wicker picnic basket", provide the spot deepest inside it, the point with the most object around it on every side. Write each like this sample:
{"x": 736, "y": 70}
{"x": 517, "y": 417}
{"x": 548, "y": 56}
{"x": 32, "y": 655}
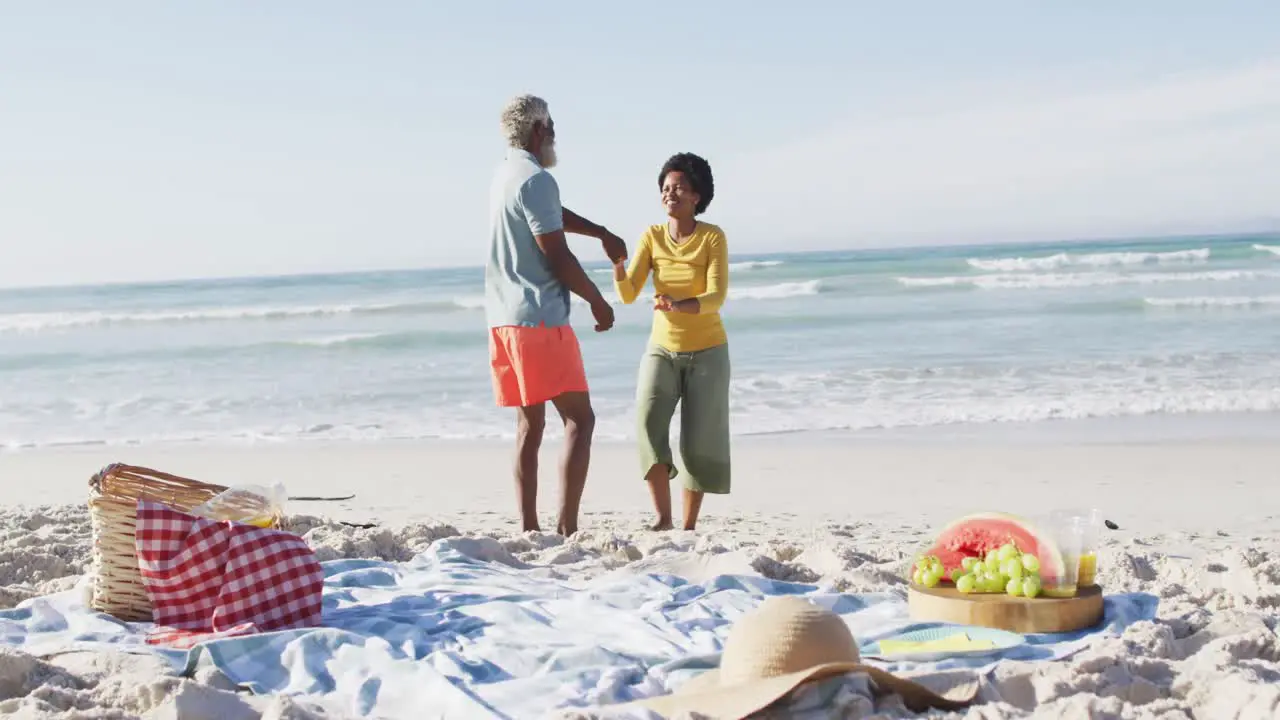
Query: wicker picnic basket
{"x": 114, "y": 492}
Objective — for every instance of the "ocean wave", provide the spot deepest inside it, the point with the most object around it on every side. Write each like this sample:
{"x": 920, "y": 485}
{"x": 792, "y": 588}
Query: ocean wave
{"x": 762, "y": 402}
{"x": 52, "y": 321}
{"x": 748, "y": 265}
{"x": 921, "y": 397}
{"x": 37, "y": 322}
{"x": 210, "y": 350}
{"x": 1028, "y": 408}
{"x": 777, "y": 292}
{"x": 1215, "y": 302}
{"x": 1273, "y": 249}
{"x": 342, "y": 339}
{"x": 468, "y": 302}
{"x": 1013, "y": 281}
{"x": 1110, "y": 259}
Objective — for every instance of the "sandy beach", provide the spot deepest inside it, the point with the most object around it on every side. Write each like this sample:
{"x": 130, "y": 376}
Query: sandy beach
{"x": 919, "y": 287}
{"x": 1193, "y": 530}
{"x": 1156, "y": 486}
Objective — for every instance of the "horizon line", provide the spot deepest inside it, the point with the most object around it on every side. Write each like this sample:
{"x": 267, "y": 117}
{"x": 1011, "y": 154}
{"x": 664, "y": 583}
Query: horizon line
{"x": 1243, "y": 234}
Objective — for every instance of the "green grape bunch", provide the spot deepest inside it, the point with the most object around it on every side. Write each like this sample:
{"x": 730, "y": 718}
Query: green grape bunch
{"x": 928, "y": 571}
{"x": 1002, "y": 570}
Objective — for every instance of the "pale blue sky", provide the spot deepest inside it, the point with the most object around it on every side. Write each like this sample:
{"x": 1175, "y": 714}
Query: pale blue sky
{"x": 158, "y": 140}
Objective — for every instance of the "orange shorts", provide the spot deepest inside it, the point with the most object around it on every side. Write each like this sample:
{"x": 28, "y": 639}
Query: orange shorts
{"x": 532, "y": 365}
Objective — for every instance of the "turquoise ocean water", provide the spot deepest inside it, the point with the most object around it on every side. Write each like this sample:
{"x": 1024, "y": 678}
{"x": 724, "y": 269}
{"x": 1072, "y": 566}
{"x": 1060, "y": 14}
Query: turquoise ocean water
{"x": 836, "y": 341}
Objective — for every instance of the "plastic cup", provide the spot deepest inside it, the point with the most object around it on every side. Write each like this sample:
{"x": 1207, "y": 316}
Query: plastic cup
{"x": 1068, "y": 530}
{"x": 1089, "y": 547}
{"x": 1091, "y": 530}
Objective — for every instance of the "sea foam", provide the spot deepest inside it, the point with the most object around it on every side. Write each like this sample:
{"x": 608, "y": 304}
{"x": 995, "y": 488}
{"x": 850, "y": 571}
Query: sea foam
{"x": 1061, "y": 260}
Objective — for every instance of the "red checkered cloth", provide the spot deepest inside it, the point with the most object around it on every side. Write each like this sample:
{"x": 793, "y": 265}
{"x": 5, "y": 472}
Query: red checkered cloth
{"x": 209, "y": 579}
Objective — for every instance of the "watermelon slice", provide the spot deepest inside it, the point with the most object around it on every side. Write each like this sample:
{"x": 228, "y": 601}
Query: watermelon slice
{"x": 975, "y": 535}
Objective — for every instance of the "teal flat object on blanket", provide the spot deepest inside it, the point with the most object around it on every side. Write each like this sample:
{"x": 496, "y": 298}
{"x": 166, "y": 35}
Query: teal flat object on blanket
{"x": 938, "y": 643}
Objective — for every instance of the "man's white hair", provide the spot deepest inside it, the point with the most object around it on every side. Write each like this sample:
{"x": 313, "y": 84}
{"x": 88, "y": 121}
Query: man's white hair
{"x": 520, "y": 116}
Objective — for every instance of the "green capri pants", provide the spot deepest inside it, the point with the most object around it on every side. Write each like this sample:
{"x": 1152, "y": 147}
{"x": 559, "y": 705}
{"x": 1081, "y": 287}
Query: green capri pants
{"x": 699, "y": 383}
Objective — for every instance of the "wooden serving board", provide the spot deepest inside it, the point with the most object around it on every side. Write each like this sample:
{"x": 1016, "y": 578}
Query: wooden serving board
{"x": 997, "y": 610}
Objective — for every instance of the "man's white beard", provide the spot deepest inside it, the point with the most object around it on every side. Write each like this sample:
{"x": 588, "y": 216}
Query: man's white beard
{"x": 547, "y": 155}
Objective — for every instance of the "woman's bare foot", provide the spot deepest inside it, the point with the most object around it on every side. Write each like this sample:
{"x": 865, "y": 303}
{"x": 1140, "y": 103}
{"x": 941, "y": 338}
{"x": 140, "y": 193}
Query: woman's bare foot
{"x": 662, "y": 524}
{"x": 692, "y": 506}
{"x": 659, "y": 479}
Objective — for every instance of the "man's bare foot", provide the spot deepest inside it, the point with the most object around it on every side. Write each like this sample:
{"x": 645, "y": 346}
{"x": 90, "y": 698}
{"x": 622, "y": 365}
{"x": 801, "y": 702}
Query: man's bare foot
{"x": 662, "y": 524}
{"x": 565, "y": 531}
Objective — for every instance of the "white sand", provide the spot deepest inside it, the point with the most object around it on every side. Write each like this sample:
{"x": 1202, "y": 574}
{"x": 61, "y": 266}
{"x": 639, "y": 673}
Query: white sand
{"x": 1200, "y": 528}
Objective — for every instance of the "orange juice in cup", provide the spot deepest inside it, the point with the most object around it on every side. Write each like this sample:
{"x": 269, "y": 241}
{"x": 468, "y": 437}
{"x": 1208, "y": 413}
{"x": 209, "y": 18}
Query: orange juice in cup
{"x": 1088, "y": 568}
{"x": 1091, "y": 527}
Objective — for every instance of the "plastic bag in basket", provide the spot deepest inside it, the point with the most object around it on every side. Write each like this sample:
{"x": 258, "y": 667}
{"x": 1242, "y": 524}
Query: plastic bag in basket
{"x": 249, "y": 504}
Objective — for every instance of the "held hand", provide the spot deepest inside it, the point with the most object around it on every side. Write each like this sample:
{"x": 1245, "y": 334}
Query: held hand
{"x": 666, "y": 303}
{"x": 614, "y": 247}
{"x": 602, "y": 311}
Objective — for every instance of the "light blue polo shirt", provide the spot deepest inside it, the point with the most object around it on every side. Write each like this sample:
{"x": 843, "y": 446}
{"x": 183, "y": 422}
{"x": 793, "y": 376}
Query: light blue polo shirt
{"x": 519, "y": 288}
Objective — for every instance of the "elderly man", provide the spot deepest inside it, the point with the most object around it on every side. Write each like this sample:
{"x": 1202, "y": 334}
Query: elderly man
{"x": 533, "y": 350}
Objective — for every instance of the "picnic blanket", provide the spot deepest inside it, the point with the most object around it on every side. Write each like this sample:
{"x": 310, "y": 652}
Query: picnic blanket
{"x": 465, "y": 630}
{"x": 209, "y": 579}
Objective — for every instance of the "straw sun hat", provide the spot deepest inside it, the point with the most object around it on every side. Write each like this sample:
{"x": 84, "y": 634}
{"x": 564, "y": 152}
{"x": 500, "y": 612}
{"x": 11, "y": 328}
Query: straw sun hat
{"x": 775, "y": 648}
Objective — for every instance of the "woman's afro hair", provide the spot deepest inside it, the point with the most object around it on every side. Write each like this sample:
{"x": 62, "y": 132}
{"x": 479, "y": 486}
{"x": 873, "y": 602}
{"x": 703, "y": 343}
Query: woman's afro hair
{"x": 697, "y": 171}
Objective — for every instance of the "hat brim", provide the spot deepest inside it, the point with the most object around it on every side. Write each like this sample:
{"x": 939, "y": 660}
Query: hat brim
{"x": 706, "y": 695}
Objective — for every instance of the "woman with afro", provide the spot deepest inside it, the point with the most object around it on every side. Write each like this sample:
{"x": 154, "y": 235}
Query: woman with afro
{"x": 687, "y": 359}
